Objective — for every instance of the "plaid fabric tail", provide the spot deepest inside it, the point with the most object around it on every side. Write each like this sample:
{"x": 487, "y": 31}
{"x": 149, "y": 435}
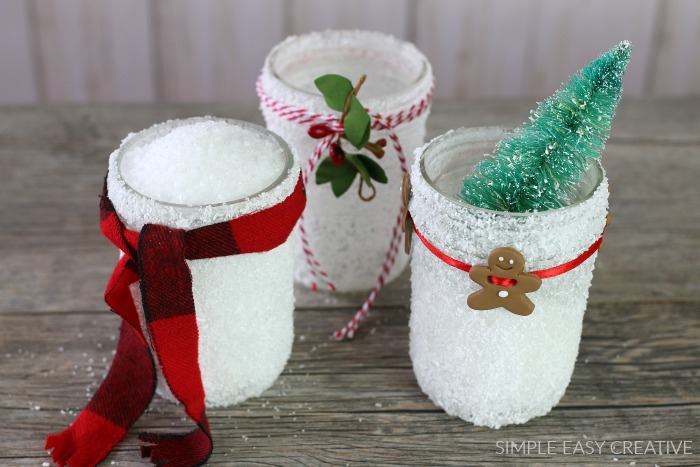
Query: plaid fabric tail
{"x": 157, "y": 257}
{"x": 166, "y": 291}
{"x": 117, "y": 404}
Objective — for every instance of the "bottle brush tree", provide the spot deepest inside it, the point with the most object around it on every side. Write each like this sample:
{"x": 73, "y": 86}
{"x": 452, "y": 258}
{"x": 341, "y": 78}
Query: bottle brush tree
{"x": 539, "y": 164}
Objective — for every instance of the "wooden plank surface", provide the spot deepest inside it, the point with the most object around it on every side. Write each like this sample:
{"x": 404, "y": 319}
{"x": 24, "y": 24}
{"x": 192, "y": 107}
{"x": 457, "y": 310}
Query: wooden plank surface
{"x": 178, "y": 50}
{"x": 674, "y": 72}
{"x": 17, "y": 69}
{"x": 468, "y": 53}
{"x": 211, "y": 50}
{"x": 61, "y": 153}
{"x": 389, "y": 16}
{"x": 584, "y": 30}
{"x": 97, "y": 51}
{"x": 636, "y": 378}
{"x": 358, "y": 402}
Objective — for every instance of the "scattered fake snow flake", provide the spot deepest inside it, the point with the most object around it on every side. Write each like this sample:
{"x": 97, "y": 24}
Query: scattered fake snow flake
{"x": 378, "y": 405}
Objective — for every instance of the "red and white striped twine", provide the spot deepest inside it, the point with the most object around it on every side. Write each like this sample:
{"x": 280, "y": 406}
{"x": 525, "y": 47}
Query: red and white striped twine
{"x": 379, "y": 122}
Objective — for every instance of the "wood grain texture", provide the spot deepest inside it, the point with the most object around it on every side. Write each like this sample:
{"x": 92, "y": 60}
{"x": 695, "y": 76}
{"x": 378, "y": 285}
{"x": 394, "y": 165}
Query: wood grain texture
{"x": 389, "y": 16}
{"x": 94, "y": 50}
{"x": 50, "y": 240}
{"x": 636, "y": 378}
{"x": 18, "y": 83}
{"x": 528, "y": 48}
{"x": 358, "y": 403}
{"x": 211, "y": 50}
{"x": 568, "y": 35}
{"x": 477, "y": 47}
{"x": 676, "y": 70}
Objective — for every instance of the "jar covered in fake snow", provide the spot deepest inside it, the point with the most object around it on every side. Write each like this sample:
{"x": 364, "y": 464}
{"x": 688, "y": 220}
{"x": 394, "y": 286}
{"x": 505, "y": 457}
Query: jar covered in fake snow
{"x": 495, "y": 367}
{"x": 191, "y": 173}
{"x": 349, "y": 238}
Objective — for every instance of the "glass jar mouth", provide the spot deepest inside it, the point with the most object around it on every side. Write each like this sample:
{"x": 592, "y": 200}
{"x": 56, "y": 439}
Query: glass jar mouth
{"x": 158, "y": 130}
{"x": 353, "y": 41}
{"x": 486, "y": 137}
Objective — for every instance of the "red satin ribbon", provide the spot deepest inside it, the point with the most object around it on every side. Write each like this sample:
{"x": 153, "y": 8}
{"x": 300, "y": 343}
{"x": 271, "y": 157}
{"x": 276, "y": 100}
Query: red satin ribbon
{"x": 543, "y": 273}
{"x": 502, "y": 281}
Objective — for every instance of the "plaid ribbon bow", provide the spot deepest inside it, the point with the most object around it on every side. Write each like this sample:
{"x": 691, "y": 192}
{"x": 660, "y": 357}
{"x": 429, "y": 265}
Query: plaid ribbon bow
{"x": 156, "y": 256}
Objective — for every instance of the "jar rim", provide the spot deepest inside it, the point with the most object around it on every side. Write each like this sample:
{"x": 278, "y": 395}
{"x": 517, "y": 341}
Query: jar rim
{"x": 492, "y": 133}
{"x": 151, "y": 132}
{"x": 356, "y": 36}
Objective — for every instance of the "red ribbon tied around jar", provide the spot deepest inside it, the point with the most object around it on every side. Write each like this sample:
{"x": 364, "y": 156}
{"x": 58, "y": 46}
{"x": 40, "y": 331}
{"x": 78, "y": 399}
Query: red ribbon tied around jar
{"x": 156, "y": 256}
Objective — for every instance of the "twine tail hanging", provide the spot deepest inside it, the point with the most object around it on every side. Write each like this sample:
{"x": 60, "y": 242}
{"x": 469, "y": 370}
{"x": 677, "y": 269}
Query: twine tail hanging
{"x": 379, "y": 122}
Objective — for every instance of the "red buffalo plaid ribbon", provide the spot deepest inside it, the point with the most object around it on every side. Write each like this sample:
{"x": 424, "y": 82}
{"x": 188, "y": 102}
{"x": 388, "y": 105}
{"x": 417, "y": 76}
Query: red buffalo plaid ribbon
{"x": 156, "y": 256}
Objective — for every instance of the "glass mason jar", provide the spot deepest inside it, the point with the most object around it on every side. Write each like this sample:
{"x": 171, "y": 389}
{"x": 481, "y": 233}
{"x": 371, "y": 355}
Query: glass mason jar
{"x": 349, "y": 237}
{"x": 493, "y": 367}
{"x": 244, "y": 303}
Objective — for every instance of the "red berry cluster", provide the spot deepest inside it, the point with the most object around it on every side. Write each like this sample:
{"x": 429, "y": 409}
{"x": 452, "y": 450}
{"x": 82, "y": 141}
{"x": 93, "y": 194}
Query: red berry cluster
{"x": 321, "y": 130}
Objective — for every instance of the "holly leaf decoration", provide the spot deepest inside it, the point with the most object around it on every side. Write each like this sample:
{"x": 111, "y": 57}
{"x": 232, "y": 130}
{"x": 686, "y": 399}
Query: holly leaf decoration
{"x": 355, "y": 160}
{"x": 340, "y": 177}
{"x": 335, "y": 90}
{"x": 357, "y": 124}
{"x": 375, "y": 170}
{"x": 341, "y": 168}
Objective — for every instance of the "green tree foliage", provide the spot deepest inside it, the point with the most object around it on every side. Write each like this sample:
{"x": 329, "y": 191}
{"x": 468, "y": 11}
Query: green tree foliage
{"x": 537, "y": 166}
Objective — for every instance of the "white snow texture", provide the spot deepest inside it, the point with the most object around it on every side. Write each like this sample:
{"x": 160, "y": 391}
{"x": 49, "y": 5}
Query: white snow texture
{"x": 495, "y": 368}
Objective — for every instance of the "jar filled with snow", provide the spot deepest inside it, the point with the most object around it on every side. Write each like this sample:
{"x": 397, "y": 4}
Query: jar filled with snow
{"x": 505, "y": 364}
{"x": 205, "y": 172}
{"x": 346, "y": 238}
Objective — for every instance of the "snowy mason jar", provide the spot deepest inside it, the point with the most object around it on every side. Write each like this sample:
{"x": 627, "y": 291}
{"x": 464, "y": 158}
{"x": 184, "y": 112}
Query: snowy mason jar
{"x": 495, "y": 367}
{"x": 348, "y": 237}
{"x": 188, "y": 174}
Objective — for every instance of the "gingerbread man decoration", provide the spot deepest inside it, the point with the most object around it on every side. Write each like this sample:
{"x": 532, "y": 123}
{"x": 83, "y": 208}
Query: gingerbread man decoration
{"x": 504, "y": 283}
